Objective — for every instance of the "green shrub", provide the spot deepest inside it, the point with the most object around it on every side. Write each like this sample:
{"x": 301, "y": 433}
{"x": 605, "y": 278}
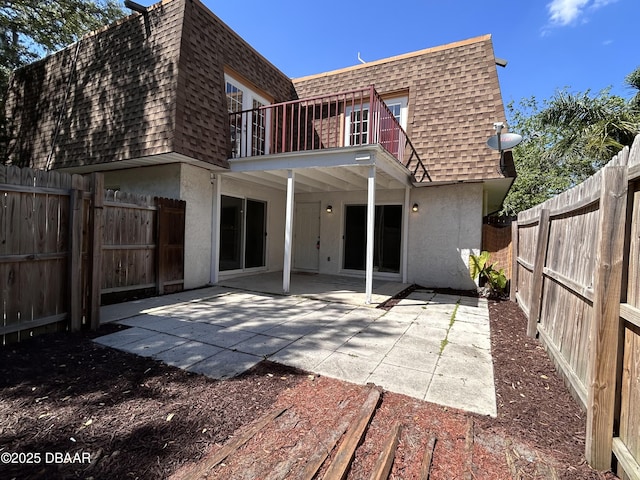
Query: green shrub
{"x": 480, "y": 268}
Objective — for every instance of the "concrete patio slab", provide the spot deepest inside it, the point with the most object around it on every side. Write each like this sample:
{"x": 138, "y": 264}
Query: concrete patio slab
{"x": 472, "y": 395}
{"x": 298, "y": 356}
{"x": 293, "y": 330}
{"x": 225, "y": 364}
{"x": 326, "y": 339}
{"x": 262, "y": 345}
{"x": 187, "y": 354}
{"x": 119, "y": 311}
{"x": 123, "y": 337}
{"x": 153, "y": 344}
{"x": 419, "y": 344}
{"x": 464, "y": 367}
{"x": 426, "y": 331}
{"x": 464, "y": 337}
{"x": 418, "y": 347}
{"x": 154, "y": 322}
{"x": 328, "y": 288}
{"x": 350, "y": 368}
{"x": 358, "y": 347}
{"x": 423, "y": 361}
{"x": 401, "y": 379}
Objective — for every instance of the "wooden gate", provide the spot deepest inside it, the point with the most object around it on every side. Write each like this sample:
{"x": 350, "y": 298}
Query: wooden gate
{"x": 66, "y": 244}
{"x": 171, "y": 218}
{"x": 142, "y": 246}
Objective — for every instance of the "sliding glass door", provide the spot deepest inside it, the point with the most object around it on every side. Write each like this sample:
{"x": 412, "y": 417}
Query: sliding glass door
{"x": 243, "y": 230}
{"x": 387, "y": 244}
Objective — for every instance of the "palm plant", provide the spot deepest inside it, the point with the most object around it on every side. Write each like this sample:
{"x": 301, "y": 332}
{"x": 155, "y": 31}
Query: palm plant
{"x": 481, "y": 269}
{"x": 593, "y": 128}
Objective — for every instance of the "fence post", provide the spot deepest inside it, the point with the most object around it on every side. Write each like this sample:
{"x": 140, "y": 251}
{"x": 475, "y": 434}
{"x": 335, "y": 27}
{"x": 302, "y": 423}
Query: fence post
{"x": 606, "y": 317}
{"x": 515, "y": 251}
{"x": 160, "y": 254}
{"x": 535, "y": 300}
{"x": 76, "y": 202}
{"x": 96, "y": 235}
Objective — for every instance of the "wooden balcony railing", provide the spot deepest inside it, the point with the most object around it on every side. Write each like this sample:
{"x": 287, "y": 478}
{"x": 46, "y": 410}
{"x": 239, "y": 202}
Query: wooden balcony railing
{"x": 358, "y": 117}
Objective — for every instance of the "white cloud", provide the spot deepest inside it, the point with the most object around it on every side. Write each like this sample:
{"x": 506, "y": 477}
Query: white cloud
{"x": 566, "y": 12}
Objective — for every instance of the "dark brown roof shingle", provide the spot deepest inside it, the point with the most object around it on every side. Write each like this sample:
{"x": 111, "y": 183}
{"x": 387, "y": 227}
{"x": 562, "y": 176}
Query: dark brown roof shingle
{"x": 145, "y": 87}
{"x": 454, "y": 99}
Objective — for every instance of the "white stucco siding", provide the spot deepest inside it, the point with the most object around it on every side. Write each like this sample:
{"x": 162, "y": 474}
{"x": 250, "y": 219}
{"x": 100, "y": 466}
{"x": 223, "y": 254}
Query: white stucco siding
{"x": 442, "y": 234}
{"x": 158, "y": 181}
{"x": 332, "y": 224}
{"x": 197, "y": 190}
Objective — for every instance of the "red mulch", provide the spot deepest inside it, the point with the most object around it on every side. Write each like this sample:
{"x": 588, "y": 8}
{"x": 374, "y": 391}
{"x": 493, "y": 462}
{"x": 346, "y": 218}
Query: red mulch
{"x": 138, "y": 418}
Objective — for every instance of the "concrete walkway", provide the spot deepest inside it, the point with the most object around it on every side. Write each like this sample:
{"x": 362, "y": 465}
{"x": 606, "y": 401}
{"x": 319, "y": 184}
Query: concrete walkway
{"x": 430, "y": 346}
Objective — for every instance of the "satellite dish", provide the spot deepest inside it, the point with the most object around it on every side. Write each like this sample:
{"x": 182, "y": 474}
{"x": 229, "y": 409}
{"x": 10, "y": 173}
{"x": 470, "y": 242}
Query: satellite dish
{"x": 506, "y": 141}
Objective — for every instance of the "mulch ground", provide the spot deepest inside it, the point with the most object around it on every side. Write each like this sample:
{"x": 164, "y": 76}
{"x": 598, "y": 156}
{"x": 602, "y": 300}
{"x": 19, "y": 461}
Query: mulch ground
{"x": 132, "y": 417}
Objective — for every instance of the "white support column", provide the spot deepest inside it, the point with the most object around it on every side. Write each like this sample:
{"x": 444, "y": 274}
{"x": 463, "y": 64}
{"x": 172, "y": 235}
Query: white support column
{"x": 288, "y": 232}
{"x": 371, "y": 218}
{"x": 405, "y": 235}
{"x": 215, "y": 229}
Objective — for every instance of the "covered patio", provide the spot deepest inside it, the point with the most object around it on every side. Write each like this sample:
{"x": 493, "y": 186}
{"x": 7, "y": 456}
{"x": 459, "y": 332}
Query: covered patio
{"x": 329, "y": 288}
{"x": 316, "y": 151}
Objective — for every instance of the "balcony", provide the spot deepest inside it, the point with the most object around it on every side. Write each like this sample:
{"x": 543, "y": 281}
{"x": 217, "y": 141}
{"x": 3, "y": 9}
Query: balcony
{"x": 354, "y": 118}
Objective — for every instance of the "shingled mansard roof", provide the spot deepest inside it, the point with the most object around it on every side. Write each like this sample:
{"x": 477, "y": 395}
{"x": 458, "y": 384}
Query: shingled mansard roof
{"x": 454, "y": 99}
{"x": 153, "y": 85}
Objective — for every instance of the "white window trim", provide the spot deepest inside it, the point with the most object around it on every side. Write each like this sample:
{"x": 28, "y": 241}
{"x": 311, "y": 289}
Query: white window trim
{"x": 248, "y": 96}
{"x": 243, "y": 269}
{"x": 404, "y": 114}
{"x": 404, "y": 109}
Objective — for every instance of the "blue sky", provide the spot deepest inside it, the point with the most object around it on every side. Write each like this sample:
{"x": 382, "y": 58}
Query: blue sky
{"x": 580, "y": 44}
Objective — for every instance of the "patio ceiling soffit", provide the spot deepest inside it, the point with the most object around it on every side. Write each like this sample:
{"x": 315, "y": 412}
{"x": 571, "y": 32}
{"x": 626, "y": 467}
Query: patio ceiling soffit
{"x": 338, "y": 169}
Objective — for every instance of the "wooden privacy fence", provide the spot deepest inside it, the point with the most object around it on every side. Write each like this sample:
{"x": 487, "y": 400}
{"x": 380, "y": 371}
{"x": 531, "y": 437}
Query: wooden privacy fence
{"x": 143, "y": 244}
{"x": 65, "y": 243}
{"x": 576, "y": 268}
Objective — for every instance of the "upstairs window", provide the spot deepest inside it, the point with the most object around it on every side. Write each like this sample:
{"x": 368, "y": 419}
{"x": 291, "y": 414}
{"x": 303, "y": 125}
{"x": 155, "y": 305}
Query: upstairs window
{"x": 358, "y": 129}
{"x": 248, "y": 125}
{"x": 357, "y": 120}
{"x": 398, "y": 107}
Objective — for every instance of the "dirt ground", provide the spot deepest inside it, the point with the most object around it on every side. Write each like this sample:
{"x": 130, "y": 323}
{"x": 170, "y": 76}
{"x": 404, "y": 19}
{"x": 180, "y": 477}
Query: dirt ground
{"x": 72, "y": 409}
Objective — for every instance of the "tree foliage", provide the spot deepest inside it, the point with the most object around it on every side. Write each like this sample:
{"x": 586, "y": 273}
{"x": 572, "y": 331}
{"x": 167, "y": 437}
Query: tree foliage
{"x": 30, "y": 29}
{"x": 566, "y": 140}
{"x": 633, "y": 80}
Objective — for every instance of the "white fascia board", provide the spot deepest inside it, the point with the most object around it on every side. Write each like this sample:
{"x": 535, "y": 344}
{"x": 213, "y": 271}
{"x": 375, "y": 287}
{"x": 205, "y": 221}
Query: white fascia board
{"x": 389, "y": 165}
{"x": 338, "y": 157}
{"x": 334, "y": 157}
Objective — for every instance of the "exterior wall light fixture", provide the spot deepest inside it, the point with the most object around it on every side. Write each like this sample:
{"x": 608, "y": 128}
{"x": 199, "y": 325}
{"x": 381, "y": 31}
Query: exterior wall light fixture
{"x": 329, "y": 209}
{"x": 414, "y": 208}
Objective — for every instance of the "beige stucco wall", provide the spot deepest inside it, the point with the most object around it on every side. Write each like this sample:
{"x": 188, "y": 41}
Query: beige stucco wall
{"x": 159, "y": 181}
{"x": 197, "y": 190}
{"x": 442, "y": 234}
{"x": 332, "y": 224}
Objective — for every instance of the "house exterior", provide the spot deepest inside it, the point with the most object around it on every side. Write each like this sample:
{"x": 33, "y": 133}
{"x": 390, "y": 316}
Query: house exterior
{"x": 377, "y": 170}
